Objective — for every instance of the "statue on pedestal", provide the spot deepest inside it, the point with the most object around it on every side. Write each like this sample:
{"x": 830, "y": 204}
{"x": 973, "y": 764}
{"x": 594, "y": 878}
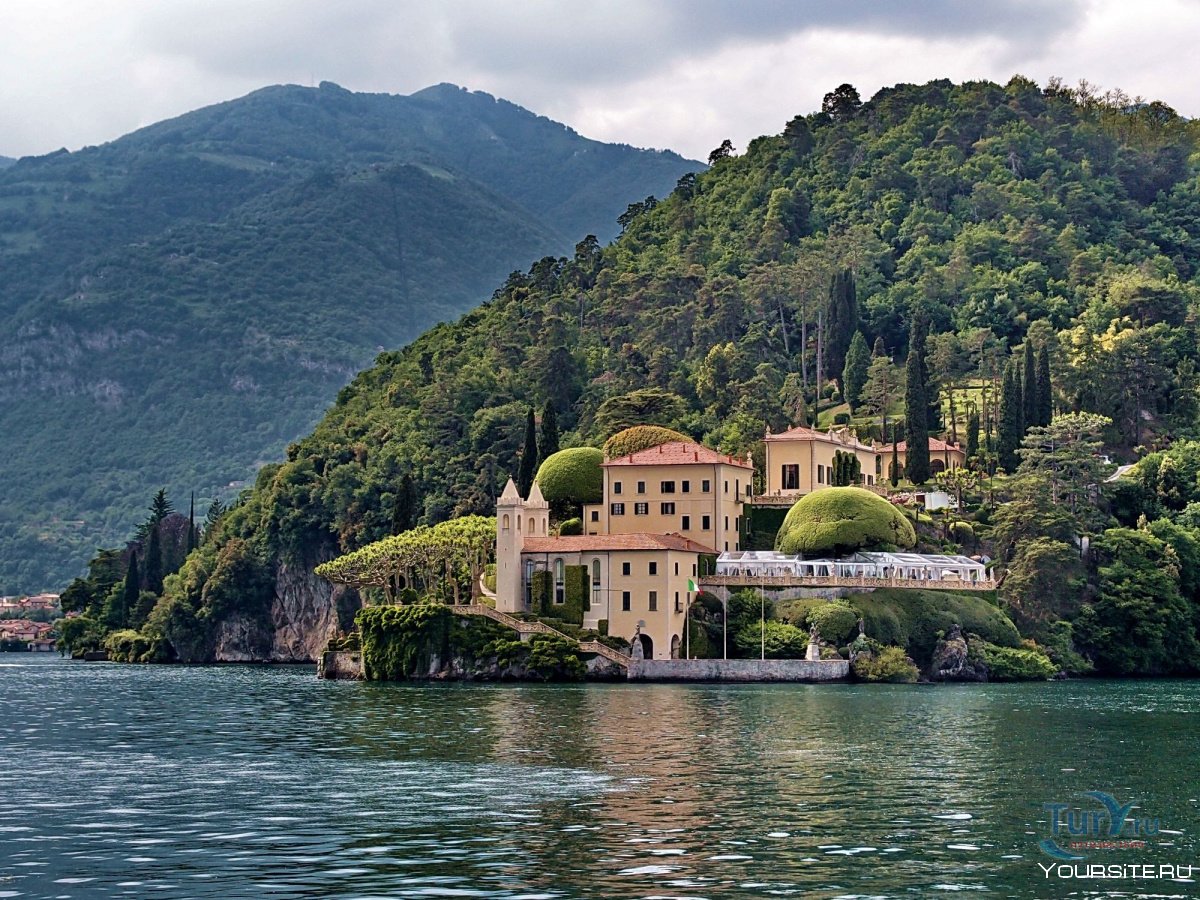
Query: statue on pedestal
{"x": 814, "y": 644}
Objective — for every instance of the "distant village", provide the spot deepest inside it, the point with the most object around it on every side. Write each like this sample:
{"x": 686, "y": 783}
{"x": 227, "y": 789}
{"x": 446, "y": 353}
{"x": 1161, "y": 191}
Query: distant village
{"x": 26, "y": 623}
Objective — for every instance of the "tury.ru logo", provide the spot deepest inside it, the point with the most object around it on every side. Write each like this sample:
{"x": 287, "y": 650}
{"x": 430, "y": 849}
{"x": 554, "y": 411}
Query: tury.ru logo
{"x": 1106, "y": 826}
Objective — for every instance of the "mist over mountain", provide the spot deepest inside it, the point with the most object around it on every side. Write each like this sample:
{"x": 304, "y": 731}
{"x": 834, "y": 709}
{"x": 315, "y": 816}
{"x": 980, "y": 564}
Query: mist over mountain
{"x": 184, "y": 301}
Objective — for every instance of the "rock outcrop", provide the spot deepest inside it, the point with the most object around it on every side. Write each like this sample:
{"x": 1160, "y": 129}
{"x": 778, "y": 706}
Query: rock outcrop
{"x": 953, "y": 661}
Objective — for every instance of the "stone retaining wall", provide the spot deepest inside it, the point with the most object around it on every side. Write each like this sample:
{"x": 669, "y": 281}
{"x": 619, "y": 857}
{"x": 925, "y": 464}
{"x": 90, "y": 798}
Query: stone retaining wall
{"x": 344, "y": 665}
{"x": 738, "y": 670}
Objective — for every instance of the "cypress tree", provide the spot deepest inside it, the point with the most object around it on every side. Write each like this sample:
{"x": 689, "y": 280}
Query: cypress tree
{"x": 129, "y": 596}
{"x": 404, "y": 506}
{"x": 894, "y": 470}
{"x": 192, "y": 536}
{"x": 841, "y": 319}
{"x": 972, "y": 447}
{"x": 854, "y": 375}
{"x": 1029, "y": 393}
{"x": 916, "y": 407}
{"x": 878, "y": 349}
{"x": 153, "y": 577}
{"x": 529, "y": 457}
{"x": 1008, "y": 438}
{"x": 1045, "y": 400}
{"x": 548, "y": 445}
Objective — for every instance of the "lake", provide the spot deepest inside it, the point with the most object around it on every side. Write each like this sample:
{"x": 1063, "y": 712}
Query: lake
{"x": 127, "y": 781}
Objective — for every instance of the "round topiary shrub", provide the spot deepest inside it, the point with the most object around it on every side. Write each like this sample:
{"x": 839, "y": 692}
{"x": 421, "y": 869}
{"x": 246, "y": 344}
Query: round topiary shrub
{"x": 571, "y": 527}
{"x": 835, "y": 621}
{"x": 639, "y": 437}
{"x": 572, "y": 476}
{"x": 840, "y": 520}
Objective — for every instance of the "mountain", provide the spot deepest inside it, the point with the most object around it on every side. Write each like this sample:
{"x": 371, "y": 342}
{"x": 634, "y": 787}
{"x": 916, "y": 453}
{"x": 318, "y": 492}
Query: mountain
{"x": 994, "y": 214}
{"x": 6, "y": 161}
{"x": 186, "y": 300}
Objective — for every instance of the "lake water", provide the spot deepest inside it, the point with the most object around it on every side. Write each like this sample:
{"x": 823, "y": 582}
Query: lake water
{"x": 124, "y": 781}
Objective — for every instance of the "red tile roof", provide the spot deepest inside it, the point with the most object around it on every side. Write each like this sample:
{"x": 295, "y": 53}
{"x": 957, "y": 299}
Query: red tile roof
{"x": 935, "y": 445}
{"x": 585, "y": 543}
{"x": 677, "y": 453}
{"x": 804, "y": 433}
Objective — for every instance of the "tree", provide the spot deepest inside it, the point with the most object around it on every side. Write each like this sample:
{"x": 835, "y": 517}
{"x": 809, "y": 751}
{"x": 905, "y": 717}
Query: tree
{"x": 842, "y": 103}
{"x": 723, "y": 152}
{"x": 529, "y": 457}
{"x": 957, "y": 481}
{"x": 881, "y": 390}
{"x": 192, "y": 535}
{"x": 847, "y": 470}
{"x": 1029, "y": 396}
{"x": 894, "y": 468}
{"x": 972, "y": 444}
{"x": 216, "y": 509}
{"x": 1042, "y": 584}
{"x": 548, "y": 445}
{"x": 152, "y": 578}
{"x": 1045, "y": 398}
{"x": 1064, "y": 458}
{"x": 1009, "y": 431}
{"x": 404, "y": 505}
{"x": 129, "y": 593}
{"x": 916, "y": 407}
{"x": 854, "y": 375}
{"x": 840, "y": 520}
{"x": 841, "y": 319}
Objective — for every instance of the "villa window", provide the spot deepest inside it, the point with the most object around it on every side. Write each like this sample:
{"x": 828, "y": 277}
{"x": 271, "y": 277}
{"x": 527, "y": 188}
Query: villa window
{"x": 676, "y": 568}
{"x": 685, "y": 487}
{"x": 641, "y": 509}
{"x": 653, "y": 568}
{"x": 687, "y": 523}
{"x": 616, "y": 487}
{"x": 678, "y": 604}
{"x": 654, "y": 601}
{"x": 624, "y": 568}
{"x": 706, "y": 523}
{"x": 641, "y": 487}
{"x": 506, "y": 522}
{"x": 705, "y": 486}
{"x": 693, "y": 570}
{"x": 667, "y": 487}
{"x": 595, "y": 582}
{"x": 595, "y": 515}
{"x": 820, "y": 474}
{"x": 737, "y": 487}
{"x": 616, "y": 509}
{"x": 625, "y": 601}
{"x": 560, "y": 585}
{"x": 667, "y": 509}
{"x": 726, "y": 485}
{"x": 790, "y": 477}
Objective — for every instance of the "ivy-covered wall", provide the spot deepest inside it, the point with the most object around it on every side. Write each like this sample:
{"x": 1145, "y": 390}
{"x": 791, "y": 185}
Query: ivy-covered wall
{"x": 543, "y": 593}
{"x": 577, "y": 586}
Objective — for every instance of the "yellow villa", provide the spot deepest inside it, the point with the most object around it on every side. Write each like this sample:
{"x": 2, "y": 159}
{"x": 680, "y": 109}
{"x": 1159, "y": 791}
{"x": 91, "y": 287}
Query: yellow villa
{"x": 800, "y": 460}
{"x": 641, "y": 584}
{"x": 679, "y": 487}
{"x": 943, "y": 456}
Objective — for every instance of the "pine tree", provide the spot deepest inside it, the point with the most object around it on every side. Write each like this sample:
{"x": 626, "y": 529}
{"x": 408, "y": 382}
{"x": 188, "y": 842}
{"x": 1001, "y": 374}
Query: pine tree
{"x": 916, "y": 407}
{"x": 529, "y": 457}
{"x": 972, "y": 445}
{"x": 548, "y": 444}
{"x": 1009, "y": 432}
{"x": 1045, "y": 399}
{"x": 129, "y": 595}
{"x": 152, "y": 578}
{"x": 1029, "y": 392}
{"x": 404, "y": 506}
{"x": 216, "y": 509}
{"x": 854, "y": 375}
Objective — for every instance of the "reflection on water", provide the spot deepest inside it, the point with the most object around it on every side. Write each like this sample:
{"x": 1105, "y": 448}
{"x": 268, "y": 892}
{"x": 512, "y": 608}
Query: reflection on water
{"x": 122, "y": 781}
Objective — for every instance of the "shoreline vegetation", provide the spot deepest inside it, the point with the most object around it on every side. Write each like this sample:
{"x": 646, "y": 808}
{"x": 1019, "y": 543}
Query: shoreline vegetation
{"x": 1009, "y": 270}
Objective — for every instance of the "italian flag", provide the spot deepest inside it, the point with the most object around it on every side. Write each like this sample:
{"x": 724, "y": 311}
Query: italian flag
{"x": 692, "y": 586}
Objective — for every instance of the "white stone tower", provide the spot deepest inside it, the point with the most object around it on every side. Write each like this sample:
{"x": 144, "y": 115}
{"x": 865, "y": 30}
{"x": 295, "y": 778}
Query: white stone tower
{"x": 516, "y": 520}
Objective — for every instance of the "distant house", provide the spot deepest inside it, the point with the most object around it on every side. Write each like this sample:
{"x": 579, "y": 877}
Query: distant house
{"x": 22, "y": 630}
{"x": 943, "y": 456}
{"x": 800, "y": 460}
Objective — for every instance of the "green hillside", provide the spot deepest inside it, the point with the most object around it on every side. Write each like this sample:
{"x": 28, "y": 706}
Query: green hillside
{"x": 997, "y": 216}
{"x": 187, "y": 299}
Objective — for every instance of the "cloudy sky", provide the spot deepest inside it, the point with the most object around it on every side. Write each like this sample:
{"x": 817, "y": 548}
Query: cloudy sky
{"x": 682, "y": 74}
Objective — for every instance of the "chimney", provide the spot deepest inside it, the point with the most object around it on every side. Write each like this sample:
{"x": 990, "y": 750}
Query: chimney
{"x": 696, "y": 455}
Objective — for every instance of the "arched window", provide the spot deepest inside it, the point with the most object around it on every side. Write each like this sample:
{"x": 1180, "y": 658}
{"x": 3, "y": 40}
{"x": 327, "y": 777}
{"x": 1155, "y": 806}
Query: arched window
{"x": 532, "y": 527}
{"x": 506, "y": 522}
{"x": 560, "y": 587}
{"x": 518, "y": 523}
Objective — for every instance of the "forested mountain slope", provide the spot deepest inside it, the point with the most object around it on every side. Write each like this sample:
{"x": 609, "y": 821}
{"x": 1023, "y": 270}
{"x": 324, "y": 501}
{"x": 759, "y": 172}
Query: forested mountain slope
{"x": 182, "y": 302}
{"x": 999, "y": 214}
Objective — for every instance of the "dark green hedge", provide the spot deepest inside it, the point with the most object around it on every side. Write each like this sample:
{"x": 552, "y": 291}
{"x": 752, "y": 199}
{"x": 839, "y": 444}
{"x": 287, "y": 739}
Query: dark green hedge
{"x": 576, "y": 595}
{"x": 543, "y": 593}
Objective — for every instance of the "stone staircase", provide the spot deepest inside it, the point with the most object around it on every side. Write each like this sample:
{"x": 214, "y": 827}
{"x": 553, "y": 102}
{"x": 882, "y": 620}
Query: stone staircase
{"x": 523, "y": 627}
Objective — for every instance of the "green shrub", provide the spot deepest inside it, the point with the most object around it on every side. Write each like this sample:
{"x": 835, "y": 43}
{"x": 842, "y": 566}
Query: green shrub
{"x": 542, "y": 584}
{"x": 551, "y": 658}
{"x": 962, "y": 532}
{"x": 571, "y": 527}
{"x": 840, "y": 520}
{"x": 126, "y": 645}
{"x": 795, "y": 611}
{"x": 842, "y": 418}
{"x": 912, "y": 619}
{"x": 576, "y": 593}
{"x": 640, "y": 437}
{"x": 889, "y": 664}
{"x": 572, "y": 476}
{"x": 835, "y": 620}
{"x": 1015, "y": 664}
{"x": 781, "y": 640}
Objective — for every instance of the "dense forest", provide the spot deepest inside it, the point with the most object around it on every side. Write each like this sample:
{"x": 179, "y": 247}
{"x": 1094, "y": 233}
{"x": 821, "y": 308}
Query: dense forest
{"x": 1021, "y": 260}
{"x": 182, "y": 302}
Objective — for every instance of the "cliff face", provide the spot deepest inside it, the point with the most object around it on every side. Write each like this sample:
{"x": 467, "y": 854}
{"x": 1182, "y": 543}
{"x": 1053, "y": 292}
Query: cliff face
{"x": 305, "y": 612}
